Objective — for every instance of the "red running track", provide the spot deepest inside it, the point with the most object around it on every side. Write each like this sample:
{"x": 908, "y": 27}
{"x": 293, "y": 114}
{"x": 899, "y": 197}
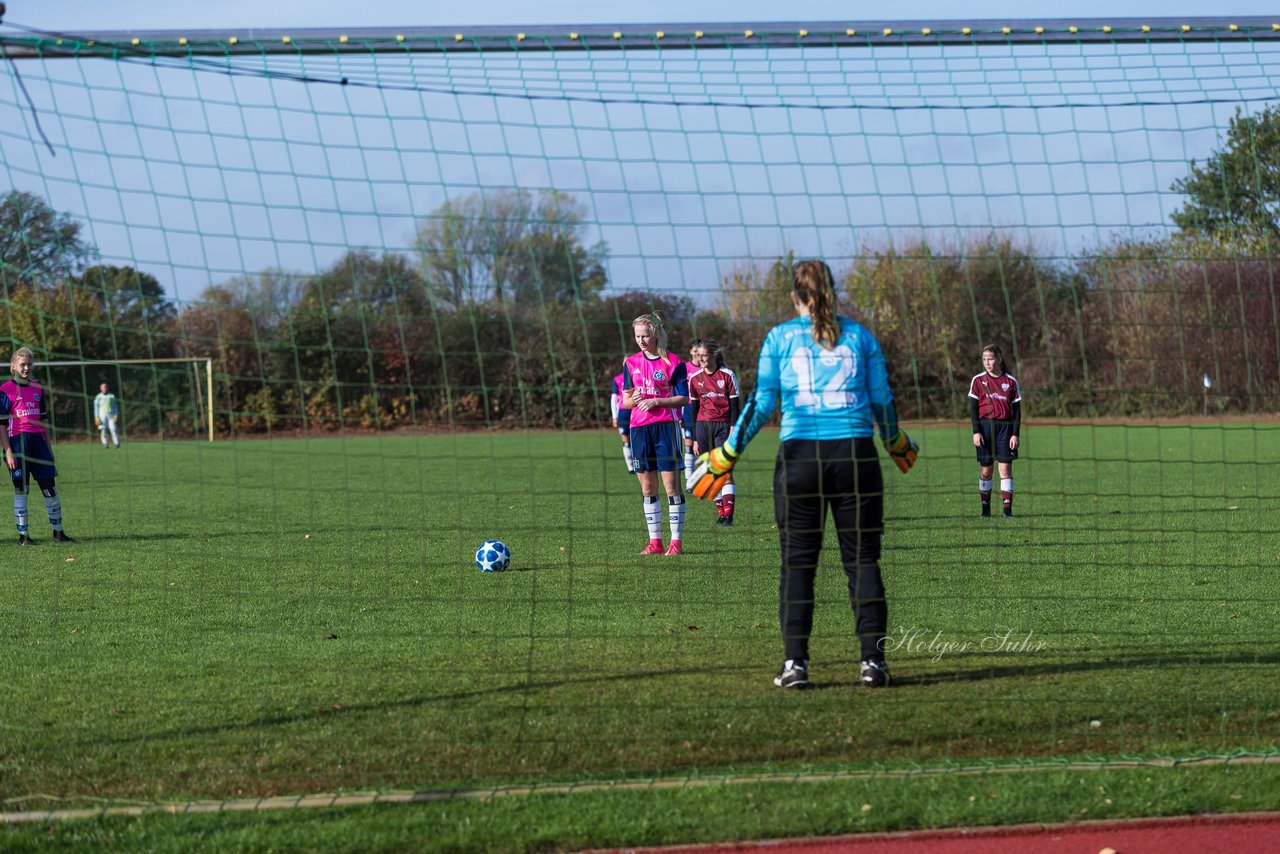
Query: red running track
{"x": 1242, "y": 833}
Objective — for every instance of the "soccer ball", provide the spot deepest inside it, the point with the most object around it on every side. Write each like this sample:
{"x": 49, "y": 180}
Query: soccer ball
{"x": 493, "y": 556}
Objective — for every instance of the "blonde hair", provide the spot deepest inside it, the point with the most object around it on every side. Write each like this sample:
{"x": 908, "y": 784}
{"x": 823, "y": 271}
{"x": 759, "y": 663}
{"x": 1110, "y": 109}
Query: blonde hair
{"x": 653, "y": 320}
{"x": 18, "y": 354}
{"x": 816, "y": 288}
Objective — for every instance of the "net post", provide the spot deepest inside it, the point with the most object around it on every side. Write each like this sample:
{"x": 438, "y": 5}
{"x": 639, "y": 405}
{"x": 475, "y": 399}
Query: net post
{"x": 208, "y": 376}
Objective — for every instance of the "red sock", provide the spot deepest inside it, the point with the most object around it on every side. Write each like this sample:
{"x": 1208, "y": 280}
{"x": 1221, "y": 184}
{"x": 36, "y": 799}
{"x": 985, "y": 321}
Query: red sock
{"x": 726, "y": 505}
{"x": 1007, "y": 498}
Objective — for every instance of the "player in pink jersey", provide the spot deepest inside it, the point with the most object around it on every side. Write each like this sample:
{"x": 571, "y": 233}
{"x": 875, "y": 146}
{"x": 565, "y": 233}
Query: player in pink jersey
{"x": 995, "y": 410}
{"x": 24, "y": 407}
{"x": 688, "y": 423}
{"x": 621, "y": 417}
{"x": 655, "y": 388}
{"x": 713, "y": 396}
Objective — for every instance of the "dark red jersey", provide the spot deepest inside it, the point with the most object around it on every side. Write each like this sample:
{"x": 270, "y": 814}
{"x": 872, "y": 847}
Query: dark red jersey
{"x": 995, "y": 395}
{"x": 712, "y": 392}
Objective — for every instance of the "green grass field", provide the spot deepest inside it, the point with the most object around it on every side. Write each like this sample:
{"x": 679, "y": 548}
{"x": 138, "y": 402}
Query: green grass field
{"x": 284, "y": 617}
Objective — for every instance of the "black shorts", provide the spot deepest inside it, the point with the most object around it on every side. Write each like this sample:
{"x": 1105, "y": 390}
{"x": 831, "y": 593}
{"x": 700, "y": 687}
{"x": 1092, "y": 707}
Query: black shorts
{"x": 995, "y": 442}
{"x": 711, "y": 434}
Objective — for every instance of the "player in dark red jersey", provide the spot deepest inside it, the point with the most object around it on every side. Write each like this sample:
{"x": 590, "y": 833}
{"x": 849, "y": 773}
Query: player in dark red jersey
{"x": 713, "y": 397}
{"x": 995, "y": 411}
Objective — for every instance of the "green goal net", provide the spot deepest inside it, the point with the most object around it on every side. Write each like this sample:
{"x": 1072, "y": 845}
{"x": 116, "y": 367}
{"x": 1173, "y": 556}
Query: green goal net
{"x": 411, "y": 260}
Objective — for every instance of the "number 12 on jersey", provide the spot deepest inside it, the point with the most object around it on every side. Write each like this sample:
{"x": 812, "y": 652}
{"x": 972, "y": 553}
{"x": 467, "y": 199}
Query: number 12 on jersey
{"x": 824, "y": 382}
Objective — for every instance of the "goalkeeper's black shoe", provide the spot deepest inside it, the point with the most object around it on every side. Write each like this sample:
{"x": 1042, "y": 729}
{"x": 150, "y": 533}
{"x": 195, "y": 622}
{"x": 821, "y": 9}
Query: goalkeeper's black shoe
{"x": 794, "y": 674}
{"x": 986, "y": 510}
{"x": 24, "y": 540}
{"x": 874, "y": 674}
{"x": 61, "y": 537}
{"x": 1008, "y": 512}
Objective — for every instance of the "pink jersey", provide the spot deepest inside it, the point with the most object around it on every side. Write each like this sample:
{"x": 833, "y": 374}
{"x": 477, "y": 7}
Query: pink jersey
{"x": 615, "y": 395}
{"x": 24, "y": 405}
{"x": 659, "y": 377}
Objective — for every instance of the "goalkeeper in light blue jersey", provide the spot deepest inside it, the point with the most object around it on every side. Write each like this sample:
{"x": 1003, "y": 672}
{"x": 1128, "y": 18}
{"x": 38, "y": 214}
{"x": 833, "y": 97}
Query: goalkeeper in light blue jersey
{"x": 829, "y": 373}
{"x": 106, "y": 413}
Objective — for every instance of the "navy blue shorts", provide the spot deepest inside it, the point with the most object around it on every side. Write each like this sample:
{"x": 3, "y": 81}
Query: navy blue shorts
{"x": 995, "y": 442}
{"x": 657, "y": 447}
{"x": 35, "y": 460}
{"x": 712, "y": 434}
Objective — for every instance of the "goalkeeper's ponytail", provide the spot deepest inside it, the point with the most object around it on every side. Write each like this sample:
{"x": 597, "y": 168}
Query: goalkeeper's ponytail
{"x": 816, "y": 288}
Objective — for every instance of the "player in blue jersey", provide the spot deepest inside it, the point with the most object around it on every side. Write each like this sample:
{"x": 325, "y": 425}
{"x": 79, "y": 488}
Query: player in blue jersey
{"x": 829, "y": 373}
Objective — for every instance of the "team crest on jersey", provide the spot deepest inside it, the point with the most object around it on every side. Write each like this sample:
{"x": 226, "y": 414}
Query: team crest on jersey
{"x": 720, "y": 383}
{"x": 1004, "y": 386}
{"x": 659, "y": 376}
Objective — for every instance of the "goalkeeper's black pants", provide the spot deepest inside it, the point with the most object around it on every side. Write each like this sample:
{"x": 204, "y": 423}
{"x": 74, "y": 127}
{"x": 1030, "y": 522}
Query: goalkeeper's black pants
{"x": 810, "y": 477}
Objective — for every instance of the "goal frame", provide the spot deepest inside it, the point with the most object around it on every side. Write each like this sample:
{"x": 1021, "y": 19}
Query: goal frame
{"x": 206, "y": 404}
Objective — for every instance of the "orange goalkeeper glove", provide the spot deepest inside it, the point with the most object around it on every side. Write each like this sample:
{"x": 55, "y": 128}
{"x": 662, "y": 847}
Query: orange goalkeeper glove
{"x": 903, "y": 450}
{"x": 711, "y": 471}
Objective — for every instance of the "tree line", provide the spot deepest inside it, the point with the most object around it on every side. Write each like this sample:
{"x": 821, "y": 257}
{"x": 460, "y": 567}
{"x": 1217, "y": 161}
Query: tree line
{"x": 500, "y": 314}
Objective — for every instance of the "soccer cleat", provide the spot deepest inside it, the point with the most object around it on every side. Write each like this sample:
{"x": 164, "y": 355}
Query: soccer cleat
{"x": 61, "y": 537}
{"x": 654, "y": 548}
{"x": 986, "y": 510}
{"x": 1008, "y": 512}
{"x": 674, "y": 548}
{"x": 794, "y": 674}
{"x": 24, "y": 540}
{"x": 726, "y": 519}
{"x": 874, "y": 674}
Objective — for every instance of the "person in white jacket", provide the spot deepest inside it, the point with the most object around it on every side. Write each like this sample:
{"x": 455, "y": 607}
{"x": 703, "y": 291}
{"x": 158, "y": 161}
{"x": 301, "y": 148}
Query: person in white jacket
{"x": 106, "y": 412}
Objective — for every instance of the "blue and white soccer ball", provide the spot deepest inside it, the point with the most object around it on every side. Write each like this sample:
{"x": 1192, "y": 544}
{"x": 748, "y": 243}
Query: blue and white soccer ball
{"x": 492, "y": 556}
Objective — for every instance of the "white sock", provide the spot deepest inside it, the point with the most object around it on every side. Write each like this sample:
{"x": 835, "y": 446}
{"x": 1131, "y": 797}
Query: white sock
{"x": 689, "y": 459}
{"x": 54, "y": 506}
{"x": 626, "y": 455}
{"x": 653, "y": 516}
{"x": 984, "y": 485}
{"x": 20, "y": 511}
{"x": 675, "y": 515}
{"x": 729, "y": 489}
{"x": 1006, "y": 484}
